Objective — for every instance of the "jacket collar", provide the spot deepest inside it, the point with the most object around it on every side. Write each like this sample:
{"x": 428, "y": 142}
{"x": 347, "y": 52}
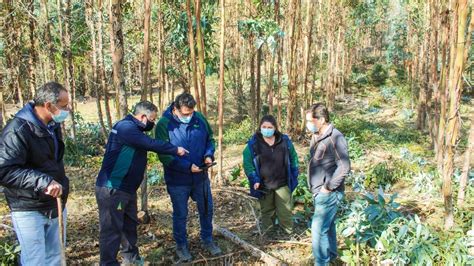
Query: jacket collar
{"x": 137, "y": 122}
{"x": 326, "y": 134}
{"x": 27, "y": 113}
{"x": 168, "y": 113}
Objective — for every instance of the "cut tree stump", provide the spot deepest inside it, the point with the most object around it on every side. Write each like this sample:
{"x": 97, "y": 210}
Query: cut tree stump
{"x": 256, "y": 252}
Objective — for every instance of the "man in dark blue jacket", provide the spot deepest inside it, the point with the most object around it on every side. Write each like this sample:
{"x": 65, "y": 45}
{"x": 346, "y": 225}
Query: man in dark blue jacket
{"x": 181, "y": 125}
{"x": 121, "y": 174}
{"x": 32, "y": 172}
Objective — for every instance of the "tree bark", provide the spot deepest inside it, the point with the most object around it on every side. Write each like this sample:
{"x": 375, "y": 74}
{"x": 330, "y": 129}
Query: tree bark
{"x": 51, "y": 51}
{"x": 193, "y": 54}
{"x": 307, "y": 49}
{"x": 443, "y": 89}
{"x": 146, "y": 52}
{"x": 12, "y": 48}
{"x": 90, "y": 23}
{"x": 68, "y": 67}
{"x": 101, "y": 67}
{"x": 257, "y": 85}
{"x": 220, "y": 160}
{"x": 33, "y": 59}
{"x": 201, "y": 53}
{"x": 116, "y": 49}
{"x": 453, "y": 118}
{"x": 291, "y": 121}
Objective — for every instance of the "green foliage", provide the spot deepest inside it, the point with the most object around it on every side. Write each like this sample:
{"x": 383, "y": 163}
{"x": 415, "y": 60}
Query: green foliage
{"x": 238, "y": 133}
{"x": 359, "y": 79}
{"x": 388, "y": 93}
{"x": 380, "y": 175}
{"x": 9, "y": 253}
{"x": 235, "y": 173}
{"x": 367, "y": 217}
{"x": 408, "y": 241}
{"x": 378, "y": 75}
{"x": 265, "y": 31}
{"x": 87, "y": 144}
{"x": 355, "y": 148}
{"x": 387, "y": 173}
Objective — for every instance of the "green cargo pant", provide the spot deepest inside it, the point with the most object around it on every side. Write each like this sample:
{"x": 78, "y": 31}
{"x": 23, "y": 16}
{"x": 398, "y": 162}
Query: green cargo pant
{"x": 277, "y": 204}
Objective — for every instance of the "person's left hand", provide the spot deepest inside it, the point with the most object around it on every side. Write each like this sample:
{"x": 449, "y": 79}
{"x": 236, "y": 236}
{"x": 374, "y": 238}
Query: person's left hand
{"x": 208, "y": 160}
{"x": 324, "y": 190}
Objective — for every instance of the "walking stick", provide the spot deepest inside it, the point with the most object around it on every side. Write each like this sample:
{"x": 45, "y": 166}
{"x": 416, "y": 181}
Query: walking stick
{"x": 61, "y": 230}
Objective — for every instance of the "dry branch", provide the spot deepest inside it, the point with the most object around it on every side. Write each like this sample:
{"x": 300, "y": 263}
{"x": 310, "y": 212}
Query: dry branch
{"x": 256, "y": 252}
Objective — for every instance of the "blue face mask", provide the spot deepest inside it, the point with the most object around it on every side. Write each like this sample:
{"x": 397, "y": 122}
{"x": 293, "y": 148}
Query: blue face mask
{"x": 267, "y": 132}
{"x": 311, "y": 127}
{"x": 61, "y": 117}
{"x": 185, "y": 119}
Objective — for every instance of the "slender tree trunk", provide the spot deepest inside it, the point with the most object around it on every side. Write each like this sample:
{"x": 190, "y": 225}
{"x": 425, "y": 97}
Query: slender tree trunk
{"x": 279, "y": 63}
{"x": 453, "y": 118}
{"x": 161, "y": 34}
{"x": 253, "y": 94}
{"x": 33, "y": 59}
{"x": 200, "y": 49}
{"x": 51, "y": 51}
{"x": 220, "y": 160}
{"x": 307, "y": 49}
{"x": 90, "y": 23}
{"x": 257, "y": 85}
{"x": 146, "y": 52}
{"x": 101, "y": 67}
{"x": 68, "y": 67}
{"x": 12, "y": 48}
{"x": 291, "y": 122}
{"x": 116, "y": 49}
{"x": 443, "y": 90}
{"x": 193, "y": 54}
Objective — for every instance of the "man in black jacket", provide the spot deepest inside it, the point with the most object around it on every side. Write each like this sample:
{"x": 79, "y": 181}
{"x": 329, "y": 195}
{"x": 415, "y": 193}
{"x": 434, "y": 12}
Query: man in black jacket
{"x": 32, "y": 172}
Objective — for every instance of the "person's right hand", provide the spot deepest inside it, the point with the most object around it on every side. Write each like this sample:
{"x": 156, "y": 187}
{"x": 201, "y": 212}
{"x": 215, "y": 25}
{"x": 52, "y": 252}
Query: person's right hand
{"x": 256, "y": 186}
{"x": 195, "y": 169}
{"x": 182, "y": 151}
{"x": 54, "y": 189}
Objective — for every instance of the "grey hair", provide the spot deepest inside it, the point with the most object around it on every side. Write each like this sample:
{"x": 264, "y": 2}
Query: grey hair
{"x": 48, "y": 92}
{"x": 144, "y": 107}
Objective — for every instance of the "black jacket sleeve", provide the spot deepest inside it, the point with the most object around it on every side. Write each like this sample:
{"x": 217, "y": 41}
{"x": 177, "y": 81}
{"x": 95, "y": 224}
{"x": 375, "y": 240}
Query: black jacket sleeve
{"x": 13, "y": 171}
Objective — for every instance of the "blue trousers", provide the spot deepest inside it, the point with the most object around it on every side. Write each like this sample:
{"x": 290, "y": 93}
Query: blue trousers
{"x": 39, "y": 237}
{"x": 323, "y": 227}
{"x": 201, "y": 194}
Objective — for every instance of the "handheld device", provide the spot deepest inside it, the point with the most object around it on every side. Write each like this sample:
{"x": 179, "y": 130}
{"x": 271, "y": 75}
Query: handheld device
{"x": 205, "y": 166}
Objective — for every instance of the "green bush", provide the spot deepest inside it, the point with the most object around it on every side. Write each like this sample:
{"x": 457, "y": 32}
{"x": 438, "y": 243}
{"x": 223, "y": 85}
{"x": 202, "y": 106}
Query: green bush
{"x": 238, "y": 133}
{"x": 359, "y": 79}
{"x": 385, "y": 174}
{"x": 9, "y": 254}
{"x": 378, "y": 75}
{"x": 87, "y": 143}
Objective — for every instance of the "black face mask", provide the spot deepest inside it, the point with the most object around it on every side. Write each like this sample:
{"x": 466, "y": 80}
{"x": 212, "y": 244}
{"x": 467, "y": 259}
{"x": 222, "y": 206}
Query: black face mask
{"x": 149, "y": 126}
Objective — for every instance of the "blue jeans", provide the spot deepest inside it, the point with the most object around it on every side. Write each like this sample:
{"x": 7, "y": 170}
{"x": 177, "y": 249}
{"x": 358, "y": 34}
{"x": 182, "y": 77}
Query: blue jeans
{"x": 39, "y": 237}
{"x": 323, "y": 226}
{"x": 201, "y": 194}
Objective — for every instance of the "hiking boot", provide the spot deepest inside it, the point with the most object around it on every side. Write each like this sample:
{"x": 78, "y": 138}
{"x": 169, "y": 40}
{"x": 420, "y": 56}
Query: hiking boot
{"x": 183, "y": 254}
{"x": 212, "y": 248}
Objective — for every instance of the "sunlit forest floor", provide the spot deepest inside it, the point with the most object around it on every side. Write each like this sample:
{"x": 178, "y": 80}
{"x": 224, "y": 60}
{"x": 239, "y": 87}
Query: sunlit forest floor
{"x": 386, "y": 149}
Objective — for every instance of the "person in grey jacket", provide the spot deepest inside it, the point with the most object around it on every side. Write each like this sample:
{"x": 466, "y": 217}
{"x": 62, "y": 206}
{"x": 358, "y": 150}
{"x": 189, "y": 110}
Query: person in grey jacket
{"x": 328, "y": 166}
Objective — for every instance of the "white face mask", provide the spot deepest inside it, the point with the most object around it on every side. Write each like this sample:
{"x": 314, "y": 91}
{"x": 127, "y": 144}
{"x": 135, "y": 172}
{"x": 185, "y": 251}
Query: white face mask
{"x": 61, "y": 117}
{"x": 311, "y": 127}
